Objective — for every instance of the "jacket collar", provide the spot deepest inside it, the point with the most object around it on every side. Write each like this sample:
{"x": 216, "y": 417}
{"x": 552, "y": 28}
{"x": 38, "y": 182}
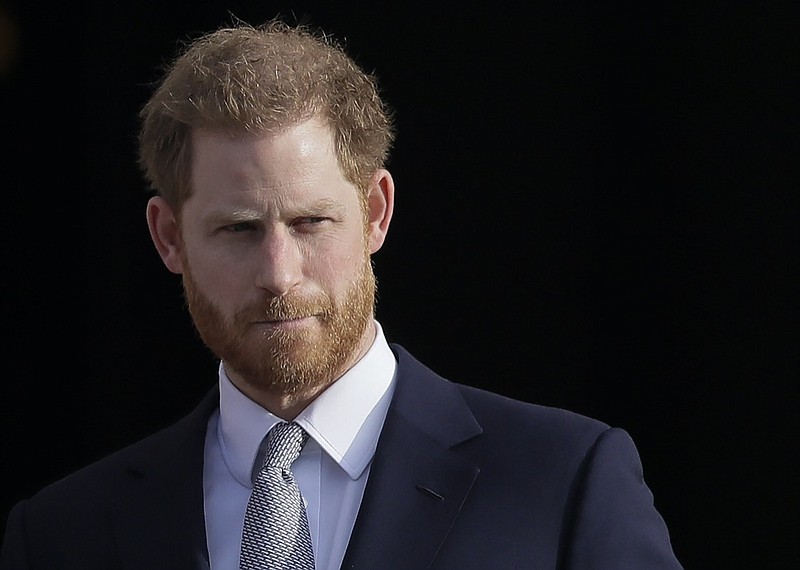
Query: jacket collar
{"x": 417, "y": 483}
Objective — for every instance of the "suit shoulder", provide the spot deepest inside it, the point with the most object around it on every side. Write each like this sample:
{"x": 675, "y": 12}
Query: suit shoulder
{"x": 156, "y": 452}
{"x": 434, "y": 398}
{"x": 490, "y": 407}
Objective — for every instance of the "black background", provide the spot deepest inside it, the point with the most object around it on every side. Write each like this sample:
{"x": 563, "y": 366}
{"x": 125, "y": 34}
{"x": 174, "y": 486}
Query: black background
{"x": 596, "y": 209}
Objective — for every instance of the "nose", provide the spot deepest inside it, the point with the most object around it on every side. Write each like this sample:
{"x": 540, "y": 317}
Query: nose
{"x": 280, "y": 262}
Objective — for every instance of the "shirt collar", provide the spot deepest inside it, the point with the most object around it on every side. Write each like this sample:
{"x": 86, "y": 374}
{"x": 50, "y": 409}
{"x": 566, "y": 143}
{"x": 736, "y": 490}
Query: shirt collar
{"x": 345, "y": 420}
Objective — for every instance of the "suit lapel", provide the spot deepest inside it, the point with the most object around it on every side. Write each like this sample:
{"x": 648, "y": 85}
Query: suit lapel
{"x": 164, "y": 522}
{"x": 417, "y": 483}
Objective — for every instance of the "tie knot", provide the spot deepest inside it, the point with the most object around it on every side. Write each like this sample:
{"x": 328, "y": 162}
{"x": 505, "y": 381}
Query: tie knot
{"x": 284, "y": 442}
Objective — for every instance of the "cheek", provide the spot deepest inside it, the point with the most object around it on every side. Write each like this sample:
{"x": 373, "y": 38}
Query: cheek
{"x": 332, "y": 269}
{"x": 224, "y": 284}
{"x": 338, "y": 263}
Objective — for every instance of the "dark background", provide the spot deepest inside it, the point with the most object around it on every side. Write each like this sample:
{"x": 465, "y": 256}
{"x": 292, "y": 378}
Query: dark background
{"x": 597, "y": 209}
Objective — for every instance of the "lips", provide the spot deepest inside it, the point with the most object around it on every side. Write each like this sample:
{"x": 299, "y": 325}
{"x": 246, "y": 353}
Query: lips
{"x": 284, "y": 311}
{"x": 285, "y": 319}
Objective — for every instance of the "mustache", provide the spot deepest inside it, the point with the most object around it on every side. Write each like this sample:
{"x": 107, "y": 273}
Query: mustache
{"x": 285, "y": 308}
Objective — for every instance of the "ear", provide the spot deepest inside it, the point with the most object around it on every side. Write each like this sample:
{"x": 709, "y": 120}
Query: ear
{"x": 165, "y": 233}
{"x": 380, "y": 206}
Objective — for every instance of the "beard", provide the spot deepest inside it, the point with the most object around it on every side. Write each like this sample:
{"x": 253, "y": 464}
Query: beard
{"x": 287, "y": 361}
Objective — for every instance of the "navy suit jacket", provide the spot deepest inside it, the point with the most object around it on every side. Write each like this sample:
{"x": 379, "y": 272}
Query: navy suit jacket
{"x": 462, "y": 479}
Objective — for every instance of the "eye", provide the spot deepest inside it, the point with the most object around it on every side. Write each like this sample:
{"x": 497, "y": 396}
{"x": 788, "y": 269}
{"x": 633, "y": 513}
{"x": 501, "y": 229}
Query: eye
{"x": 240, "y": 227}
{"x": 309, "y": 221}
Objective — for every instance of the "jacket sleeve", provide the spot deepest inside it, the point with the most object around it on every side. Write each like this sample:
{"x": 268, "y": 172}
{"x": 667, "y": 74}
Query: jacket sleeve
{"x": 613, "y": 523}
{"x": 13, "y": 553}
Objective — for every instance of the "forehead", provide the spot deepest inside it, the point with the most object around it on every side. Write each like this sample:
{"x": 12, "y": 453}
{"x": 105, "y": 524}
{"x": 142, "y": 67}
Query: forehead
{"x": 294, "y": 162}
{"x": 294, "y": 151}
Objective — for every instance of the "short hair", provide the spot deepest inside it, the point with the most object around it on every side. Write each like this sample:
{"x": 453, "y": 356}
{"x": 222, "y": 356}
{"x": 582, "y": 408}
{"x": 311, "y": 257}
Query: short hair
{"x": 257, "y": 80}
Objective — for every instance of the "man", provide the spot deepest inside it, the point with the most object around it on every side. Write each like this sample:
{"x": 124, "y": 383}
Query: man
{"x": 266, "y": 149}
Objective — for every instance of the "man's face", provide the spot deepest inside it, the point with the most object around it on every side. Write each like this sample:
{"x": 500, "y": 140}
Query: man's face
{"x": 275, "y": 256}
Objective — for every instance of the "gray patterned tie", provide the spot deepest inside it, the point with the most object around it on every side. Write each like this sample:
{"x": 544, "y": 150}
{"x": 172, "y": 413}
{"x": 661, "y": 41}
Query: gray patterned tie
{"x": 276, "y": 535}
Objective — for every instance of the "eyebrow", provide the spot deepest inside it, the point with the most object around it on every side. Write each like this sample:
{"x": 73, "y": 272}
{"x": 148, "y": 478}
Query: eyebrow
{"x": 319, "y": 207}
{"x": 232, "y": 216}
{"x": 322, "y": 206}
